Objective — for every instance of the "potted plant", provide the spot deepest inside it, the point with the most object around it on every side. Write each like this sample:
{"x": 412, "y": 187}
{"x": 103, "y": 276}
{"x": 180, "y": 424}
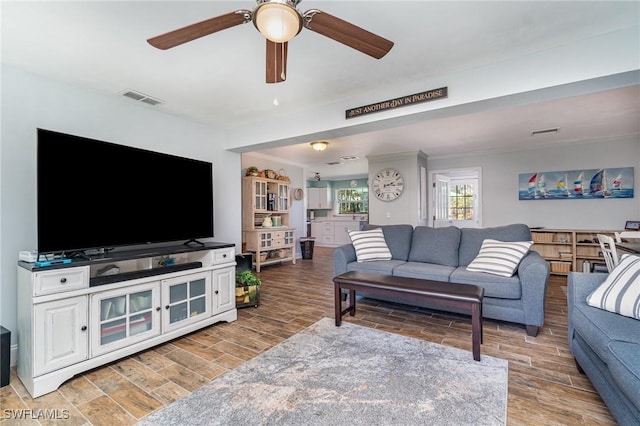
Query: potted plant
{"x": 252, "y": 171}
{"x": 247, "y": 289}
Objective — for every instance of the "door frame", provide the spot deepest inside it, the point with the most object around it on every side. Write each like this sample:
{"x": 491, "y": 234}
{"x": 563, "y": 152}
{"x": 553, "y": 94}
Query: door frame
{"x": 456, "y": 173}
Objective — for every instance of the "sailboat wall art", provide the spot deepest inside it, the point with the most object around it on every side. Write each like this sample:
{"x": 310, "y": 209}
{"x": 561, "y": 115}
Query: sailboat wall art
{"x": 587, "y": 184}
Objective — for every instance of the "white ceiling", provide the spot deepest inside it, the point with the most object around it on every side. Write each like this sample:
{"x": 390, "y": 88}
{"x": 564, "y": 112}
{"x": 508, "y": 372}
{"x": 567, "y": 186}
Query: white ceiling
{"x": 219, "y": 79}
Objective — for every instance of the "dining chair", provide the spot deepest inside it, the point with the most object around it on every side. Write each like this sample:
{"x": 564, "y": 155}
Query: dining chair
{"x": 627, "y": 235}
{"x": 608, "y": 246}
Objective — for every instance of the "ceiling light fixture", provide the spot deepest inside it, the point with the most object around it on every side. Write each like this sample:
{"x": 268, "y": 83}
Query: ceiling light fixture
{"x": 319, "y": 145}
{"x": 278, "y": 20}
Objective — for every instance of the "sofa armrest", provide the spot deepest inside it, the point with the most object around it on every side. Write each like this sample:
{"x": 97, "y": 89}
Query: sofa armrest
{"x": 579, "y": 286}
{"x": 533, "y": 272}
{"x": 343, "y": 255}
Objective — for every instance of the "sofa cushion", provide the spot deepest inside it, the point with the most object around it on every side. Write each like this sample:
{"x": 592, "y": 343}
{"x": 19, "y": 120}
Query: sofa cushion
{"x": 620, "y": 292}
{"x": 624, "y": 367}
{"x": 370, "y": 245}
{"x": 398, "y": 239}
{"x": 494, "y": 285}
{"x": 385, "y": 267}
{"x": 426, "y": 271}
{"x": 499, "y": 257}
{"x": 471, "y": 239}
{"x": 435, "y": 245}
{"x": 599, "y": 327}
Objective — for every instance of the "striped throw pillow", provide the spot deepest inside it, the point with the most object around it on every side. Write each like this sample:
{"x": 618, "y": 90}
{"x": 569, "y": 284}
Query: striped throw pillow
{"x": 620, "y": 292}
{"x": 370, "y": 245}
{"x": 499, "y": 257}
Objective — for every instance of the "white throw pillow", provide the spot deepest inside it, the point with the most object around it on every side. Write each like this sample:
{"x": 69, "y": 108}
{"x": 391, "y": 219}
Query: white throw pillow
{"x": 370, "y": 245}
{"x": 499, "y": 257}
{"x": 620, "y": 292}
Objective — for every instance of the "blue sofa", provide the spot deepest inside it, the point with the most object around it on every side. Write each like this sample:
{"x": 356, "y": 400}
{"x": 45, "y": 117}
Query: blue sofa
{"x": 606, "y": 347}
{"x": 442, "y": 254}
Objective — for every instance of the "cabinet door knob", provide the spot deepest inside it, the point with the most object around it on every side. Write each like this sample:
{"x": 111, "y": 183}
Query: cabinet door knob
{"x": 216, "y": 292}
{"x": 166, "y": 307}
{"x": 158, "y": 308}
{"x": 224, "y": 255}
{"x": 83, "y": 328}
{"x": 63, "y": 280}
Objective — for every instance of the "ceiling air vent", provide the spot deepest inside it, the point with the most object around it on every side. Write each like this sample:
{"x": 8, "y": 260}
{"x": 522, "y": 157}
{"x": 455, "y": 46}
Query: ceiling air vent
{"x": 333, "y": 163}
{"x": 349, "y": 157}
{"x": 141, "y": 97}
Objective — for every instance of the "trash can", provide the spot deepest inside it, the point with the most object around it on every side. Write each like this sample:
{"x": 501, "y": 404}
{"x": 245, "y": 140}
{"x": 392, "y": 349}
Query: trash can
{"x": 244, "y": 262}
{"x": 306, "y": 246}
{"x": 5, "y": 362}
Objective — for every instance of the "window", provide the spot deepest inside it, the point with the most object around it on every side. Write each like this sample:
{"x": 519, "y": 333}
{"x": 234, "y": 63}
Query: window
{"x": 353, "y": 200}
{"x": 461, "y": 202}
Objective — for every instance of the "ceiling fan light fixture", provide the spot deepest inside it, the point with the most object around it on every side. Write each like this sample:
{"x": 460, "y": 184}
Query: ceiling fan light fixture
{"x": 319, "y": 145}
{"x": 277, "y": 20}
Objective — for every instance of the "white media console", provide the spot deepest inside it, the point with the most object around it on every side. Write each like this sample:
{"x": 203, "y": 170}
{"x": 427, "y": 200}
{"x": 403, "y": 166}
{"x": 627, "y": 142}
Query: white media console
{"x": 71, "y": 319}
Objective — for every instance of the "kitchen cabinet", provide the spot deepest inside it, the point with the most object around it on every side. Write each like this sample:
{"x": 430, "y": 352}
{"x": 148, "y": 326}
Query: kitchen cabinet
{"x": 341, "y": 232}
{"x": 333, "y": 233}
{"x": 319, "y": 198}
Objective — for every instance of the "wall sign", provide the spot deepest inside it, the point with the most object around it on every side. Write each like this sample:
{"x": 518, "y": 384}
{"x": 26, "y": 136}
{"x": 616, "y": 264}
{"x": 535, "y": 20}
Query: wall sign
{"x": 417, "y": 98}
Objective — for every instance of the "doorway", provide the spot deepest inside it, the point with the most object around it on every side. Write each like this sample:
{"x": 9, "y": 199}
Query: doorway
{"x": 456, "y": 198}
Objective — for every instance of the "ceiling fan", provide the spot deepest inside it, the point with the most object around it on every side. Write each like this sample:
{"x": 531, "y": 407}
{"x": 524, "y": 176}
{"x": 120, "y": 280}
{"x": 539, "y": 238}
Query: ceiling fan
{"x": 280, "y": 21}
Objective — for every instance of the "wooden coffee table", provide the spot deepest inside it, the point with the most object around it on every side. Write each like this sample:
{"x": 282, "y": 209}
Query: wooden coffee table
{"x": 465, "y": 297}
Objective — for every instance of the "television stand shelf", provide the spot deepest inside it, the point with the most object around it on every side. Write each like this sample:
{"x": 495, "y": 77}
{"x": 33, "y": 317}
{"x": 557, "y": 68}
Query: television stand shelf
{"x": 71, "y": 319}
{"x": 126, "y": 276}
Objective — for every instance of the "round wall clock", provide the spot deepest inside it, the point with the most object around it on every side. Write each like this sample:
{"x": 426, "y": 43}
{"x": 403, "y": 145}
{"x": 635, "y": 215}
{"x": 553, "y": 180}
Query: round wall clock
{"x": 388, "y": 184}
{"x": 354, "y": 183}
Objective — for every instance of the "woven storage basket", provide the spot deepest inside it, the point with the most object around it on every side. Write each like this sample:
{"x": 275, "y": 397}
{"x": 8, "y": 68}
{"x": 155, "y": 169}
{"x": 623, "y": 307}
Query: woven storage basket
{"x": 542, "y": 237}
{"x": 560, "y": 267}
{"x": 282, "y": 175}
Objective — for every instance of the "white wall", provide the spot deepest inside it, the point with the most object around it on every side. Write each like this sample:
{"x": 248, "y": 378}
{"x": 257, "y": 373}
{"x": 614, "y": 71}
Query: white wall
{"x": 296, "y": 174}
{"x": 406, "y": 208}
{"x": 29, "y": 102}
{"x": 500, "y": 184}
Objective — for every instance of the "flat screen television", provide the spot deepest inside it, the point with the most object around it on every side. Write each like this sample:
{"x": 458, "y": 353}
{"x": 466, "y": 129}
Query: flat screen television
{"x": 94, "y": 194}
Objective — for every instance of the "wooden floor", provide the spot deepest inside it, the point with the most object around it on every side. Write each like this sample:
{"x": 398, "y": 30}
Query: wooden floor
{"x": 544, "y": 386}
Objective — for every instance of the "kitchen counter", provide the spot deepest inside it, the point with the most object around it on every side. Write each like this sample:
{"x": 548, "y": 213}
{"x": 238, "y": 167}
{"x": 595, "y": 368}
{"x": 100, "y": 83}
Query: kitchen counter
{"x": 340, "y": 219}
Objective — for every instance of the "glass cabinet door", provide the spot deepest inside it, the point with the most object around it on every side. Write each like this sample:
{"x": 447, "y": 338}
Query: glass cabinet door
{"x": 265, "y": 240}
{"x": 283, "y": 197}
{"x": 186, "y": 299}
{"x": 260, "y": 195}
{"x": 124, "y": 316}
{"x": 289, "y": 237}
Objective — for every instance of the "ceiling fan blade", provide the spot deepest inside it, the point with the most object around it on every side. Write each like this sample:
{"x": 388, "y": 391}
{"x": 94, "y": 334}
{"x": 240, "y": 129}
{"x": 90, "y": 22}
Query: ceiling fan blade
{"x": 276, "y": 61}
{"x": 200, "y": 29}
{"x": 346, "y": 33}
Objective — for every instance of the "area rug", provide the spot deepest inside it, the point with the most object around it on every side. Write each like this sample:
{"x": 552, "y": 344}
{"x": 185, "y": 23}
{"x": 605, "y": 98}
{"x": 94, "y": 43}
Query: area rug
{"x": 328, "y": 375}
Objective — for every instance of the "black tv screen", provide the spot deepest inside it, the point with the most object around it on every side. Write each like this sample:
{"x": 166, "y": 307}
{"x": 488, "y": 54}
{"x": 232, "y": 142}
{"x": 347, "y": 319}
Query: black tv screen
{"x": 99, "y": 195}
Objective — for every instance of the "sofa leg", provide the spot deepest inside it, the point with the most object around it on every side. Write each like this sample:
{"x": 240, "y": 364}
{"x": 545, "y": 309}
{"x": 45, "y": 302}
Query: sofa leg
{"x": 580, "y": 370}
{"x": 532, "y": 330}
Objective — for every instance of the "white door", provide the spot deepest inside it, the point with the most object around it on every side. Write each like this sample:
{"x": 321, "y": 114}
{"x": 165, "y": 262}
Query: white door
{"x": 61, "y": 336}
{"x": 440, "y": 217}
{"x": 456, "y": 198}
